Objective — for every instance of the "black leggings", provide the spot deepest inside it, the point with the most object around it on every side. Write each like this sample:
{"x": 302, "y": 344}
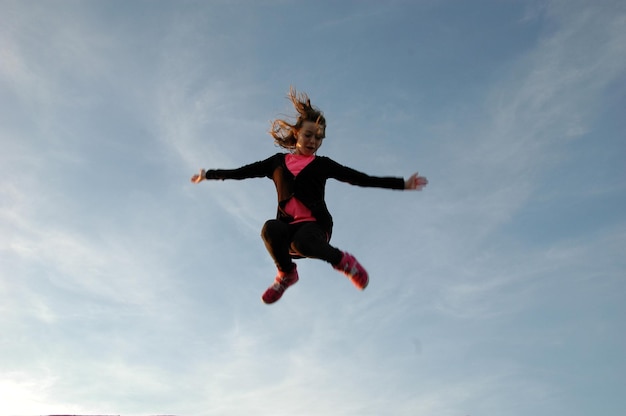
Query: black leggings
{"x": 304, "y": 239}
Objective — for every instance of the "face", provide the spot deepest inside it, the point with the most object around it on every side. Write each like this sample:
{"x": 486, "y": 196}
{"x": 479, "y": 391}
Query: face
{"x": 309, "y": 138}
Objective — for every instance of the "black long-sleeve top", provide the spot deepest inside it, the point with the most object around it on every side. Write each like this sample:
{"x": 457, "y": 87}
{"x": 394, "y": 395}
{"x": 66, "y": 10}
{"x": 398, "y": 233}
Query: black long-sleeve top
{"x": 308, "y": 186}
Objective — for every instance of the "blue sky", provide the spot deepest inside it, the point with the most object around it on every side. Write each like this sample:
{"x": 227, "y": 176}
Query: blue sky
{"x": 498, "y": 290}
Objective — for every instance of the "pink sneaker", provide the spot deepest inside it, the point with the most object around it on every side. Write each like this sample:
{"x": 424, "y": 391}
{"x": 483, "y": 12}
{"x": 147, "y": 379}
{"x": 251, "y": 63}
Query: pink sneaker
{"x": 281, "y": 283}
{"x": 353, "y": 269}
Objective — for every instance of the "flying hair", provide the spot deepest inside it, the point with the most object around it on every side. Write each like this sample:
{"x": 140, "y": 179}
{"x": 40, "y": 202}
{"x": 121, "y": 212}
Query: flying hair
{"x": 284, "y": 133}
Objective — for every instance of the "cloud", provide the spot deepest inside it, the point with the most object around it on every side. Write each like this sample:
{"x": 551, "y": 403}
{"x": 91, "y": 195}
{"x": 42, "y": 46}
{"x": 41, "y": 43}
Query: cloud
{"x": 25, "y": 394}
{"x": 551, "y": 96}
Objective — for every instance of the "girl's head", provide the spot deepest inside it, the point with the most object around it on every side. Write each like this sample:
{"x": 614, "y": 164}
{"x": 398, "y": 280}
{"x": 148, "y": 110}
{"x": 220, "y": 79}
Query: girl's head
{"x": 310, "y": 124}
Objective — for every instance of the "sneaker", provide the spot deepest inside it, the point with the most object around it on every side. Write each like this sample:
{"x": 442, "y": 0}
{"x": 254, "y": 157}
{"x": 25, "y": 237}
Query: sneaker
{"x": 281, "y": 283}
{"x": 353, "y": 270}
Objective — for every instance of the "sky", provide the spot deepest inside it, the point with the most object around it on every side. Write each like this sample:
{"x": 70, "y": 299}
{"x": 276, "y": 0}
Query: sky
{"x": 500, "y": 289}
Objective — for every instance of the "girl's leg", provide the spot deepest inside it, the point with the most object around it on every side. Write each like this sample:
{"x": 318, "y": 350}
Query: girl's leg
{"x": 276, "y": 236}
{"x": 309, "y": 240}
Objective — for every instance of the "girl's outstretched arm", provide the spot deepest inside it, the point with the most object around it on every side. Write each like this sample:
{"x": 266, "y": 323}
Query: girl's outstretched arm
{"x": 415, "y": 182}
{"x": 199, "y": 177}
{"x": 252, "y": 170}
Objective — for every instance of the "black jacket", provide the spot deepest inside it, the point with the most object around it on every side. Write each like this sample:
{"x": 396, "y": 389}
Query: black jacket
{"x": 308, "y": 186}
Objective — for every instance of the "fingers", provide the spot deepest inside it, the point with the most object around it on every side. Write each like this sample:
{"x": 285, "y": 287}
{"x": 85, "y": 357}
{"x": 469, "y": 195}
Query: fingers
{"x": 198, "y": 177}
{"x": 416, "y": 182}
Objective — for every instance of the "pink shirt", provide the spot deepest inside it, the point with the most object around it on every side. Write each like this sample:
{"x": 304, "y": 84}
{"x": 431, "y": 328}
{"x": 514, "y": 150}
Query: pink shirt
{"x": 295, "y": 208}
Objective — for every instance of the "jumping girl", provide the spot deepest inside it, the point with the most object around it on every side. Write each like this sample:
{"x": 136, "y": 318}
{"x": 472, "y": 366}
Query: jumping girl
{"x": 303, "y": 225}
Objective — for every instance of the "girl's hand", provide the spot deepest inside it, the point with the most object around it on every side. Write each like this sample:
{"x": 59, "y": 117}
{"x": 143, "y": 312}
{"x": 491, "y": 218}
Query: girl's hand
{"x": 415, "y": 183}
{"x": 199, "y": 177}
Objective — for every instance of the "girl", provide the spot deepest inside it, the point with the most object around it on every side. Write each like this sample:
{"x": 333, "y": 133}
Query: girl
{"x": 303, "y": 225}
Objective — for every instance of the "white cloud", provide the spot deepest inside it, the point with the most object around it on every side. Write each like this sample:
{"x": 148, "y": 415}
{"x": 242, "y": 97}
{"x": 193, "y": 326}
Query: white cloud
{"x": 25, "y": 394}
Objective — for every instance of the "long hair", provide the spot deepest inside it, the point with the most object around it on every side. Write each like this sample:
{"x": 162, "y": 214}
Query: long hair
{"x": 284, "y": 133}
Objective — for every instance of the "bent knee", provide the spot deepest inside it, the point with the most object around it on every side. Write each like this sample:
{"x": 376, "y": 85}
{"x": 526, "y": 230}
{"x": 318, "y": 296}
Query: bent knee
{"x": 273, "y": 228}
